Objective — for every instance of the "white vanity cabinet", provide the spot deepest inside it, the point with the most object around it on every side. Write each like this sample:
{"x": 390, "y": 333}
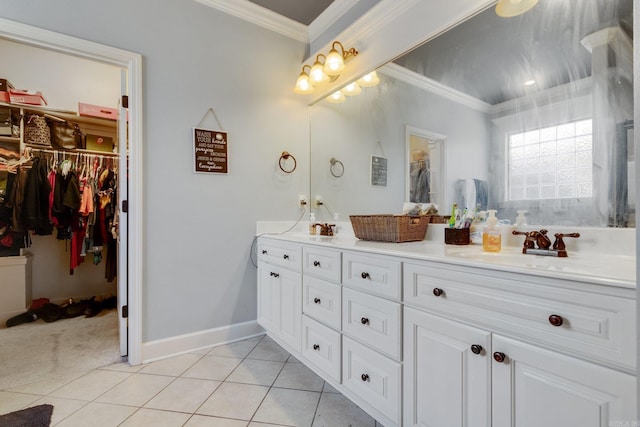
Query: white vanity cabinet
{"x": 280, "y": 291}
{"x": 418, "y": 342}
{"x": 461, "y": 369}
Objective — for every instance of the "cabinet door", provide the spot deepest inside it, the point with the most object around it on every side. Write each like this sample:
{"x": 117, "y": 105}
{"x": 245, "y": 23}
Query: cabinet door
{"x": 268, "y": 297}
{"x": 290, "y": 314}
{"x": 534, "y": 387}
{"x": 445, "y": 382}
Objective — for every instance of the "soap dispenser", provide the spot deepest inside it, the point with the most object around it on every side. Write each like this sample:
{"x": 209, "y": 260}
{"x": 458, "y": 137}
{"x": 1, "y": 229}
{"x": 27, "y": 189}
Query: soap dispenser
{"x": 521, "y": 219}
{"x": 312, "y": 220}
{"x": 491, "y": 238}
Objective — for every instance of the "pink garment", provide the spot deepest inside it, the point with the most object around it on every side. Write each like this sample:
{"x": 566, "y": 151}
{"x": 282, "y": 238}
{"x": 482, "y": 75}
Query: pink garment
{"x": 86, "y": 203}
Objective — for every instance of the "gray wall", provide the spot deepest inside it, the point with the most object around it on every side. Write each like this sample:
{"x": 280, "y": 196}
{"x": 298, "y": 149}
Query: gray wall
{"x": 198, "y": 228}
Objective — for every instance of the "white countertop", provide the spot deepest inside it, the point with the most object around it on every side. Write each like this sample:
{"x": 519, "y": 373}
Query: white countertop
{"x": 598, "y": 268}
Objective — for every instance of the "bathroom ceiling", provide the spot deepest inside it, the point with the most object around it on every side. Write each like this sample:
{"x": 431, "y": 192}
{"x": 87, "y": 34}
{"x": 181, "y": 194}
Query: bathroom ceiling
{"x": 303, "y": 11}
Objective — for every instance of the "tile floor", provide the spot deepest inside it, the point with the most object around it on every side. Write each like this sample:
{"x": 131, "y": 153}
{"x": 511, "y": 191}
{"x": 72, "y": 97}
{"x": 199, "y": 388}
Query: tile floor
{"x": 251, "y": 383}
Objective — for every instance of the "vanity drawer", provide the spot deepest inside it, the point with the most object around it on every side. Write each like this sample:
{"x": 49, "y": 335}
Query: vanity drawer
{"x": 373, "y": 321}
{"x": 282, "y": 254}
{"x": 598, "y": 326}
{"x": 321, "y": 263}
{"x": 321, "y": 347}
{"x": 377, "y": 275}
{"x": 322, "y": 301}
{"x": 372, "y": 378}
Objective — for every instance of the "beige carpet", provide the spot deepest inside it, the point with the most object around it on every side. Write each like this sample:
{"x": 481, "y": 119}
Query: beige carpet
{"x": 35, "y": 351}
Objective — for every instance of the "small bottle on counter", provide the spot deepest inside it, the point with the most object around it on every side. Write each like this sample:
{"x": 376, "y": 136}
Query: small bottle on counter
{"x": 336, "y": 219}
{"x": 312, "y": 220}
{"x": 491, "y": 237}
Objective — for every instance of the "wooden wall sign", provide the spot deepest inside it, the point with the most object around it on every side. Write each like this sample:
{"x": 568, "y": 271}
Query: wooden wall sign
{"x": 210, "y": 151}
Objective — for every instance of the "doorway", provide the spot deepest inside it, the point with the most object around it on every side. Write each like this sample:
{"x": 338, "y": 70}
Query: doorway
{"x": 130, "y": 194}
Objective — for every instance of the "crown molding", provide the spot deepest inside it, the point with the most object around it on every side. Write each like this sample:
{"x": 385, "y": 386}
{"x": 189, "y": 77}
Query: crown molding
{"x": 376, "y": 19}
{"x": 425, "y": 83}
{"x": 261, "y": 16}
{"x": 330, "y": 15}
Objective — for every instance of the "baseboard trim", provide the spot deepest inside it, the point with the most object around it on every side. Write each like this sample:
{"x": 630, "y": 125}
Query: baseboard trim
{"x": 168, "y": 347}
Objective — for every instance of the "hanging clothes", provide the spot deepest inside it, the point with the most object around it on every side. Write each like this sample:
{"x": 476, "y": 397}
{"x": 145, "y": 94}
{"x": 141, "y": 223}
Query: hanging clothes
{"x": 36, "y": 199}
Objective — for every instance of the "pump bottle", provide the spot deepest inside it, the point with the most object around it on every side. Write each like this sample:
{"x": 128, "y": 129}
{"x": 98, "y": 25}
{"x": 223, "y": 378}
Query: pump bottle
{"x": 491, "y": 238}
{"x": 312, "y": 220}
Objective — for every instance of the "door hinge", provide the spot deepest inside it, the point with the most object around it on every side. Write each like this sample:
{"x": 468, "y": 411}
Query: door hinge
{"x": 125, "y": 206}
{"x": 125, "y": 101}
{"x": 125, "y": 311}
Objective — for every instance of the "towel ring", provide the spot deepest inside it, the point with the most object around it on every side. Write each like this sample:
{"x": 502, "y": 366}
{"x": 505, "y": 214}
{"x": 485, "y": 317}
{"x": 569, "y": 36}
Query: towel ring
{"x": 285, "y": 156}
{"x": 335, "y": 162}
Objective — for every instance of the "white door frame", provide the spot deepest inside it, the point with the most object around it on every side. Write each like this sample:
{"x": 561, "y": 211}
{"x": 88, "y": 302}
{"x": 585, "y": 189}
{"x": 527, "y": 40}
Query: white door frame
{"x": 132, "y": 62}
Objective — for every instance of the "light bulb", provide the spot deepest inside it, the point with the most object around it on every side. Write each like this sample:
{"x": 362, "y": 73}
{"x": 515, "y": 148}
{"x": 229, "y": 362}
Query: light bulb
{"x": 303, "y": 85}
{"x": 351, "y": 89}
{"x": 336, "y": 98}
{"x": 334, "y": 64}
{"x": 369, "y": 80}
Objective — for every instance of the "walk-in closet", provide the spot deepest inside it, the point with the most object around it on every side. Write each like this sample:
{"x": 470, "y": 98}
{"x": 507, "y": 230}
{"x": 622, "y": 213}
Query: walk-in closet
{"x": 59, "y": 214}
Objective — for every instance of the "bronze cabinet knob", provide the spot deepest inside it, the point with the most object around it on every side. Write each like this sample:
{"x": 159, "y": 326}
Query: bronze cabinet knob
{"x": 316, "y": 263}
{"x": 364, "y": 377}
{"x": 285, "y": 256}
{"x": 316, "y": 300}
{"x": 272, "y": 274}
{"x": 364, "y": 321}
{"x": 437, "y": 292}
{"x": 264, "y": 252}
{"x": 476, "y": 349}
{"x": 499, "y": 357}
{"x": 556, "y": 320}
{"x": 365, "y": 275}
{"x": 316, "y": 347}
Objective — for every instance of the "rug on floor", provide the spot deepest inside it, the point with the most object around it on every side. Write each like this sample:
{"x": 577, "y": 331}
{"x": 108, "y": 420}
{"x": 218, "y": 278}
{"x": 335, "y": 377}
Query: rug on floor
{"x": 36, "y": 416}
{"x": 38, "y": 351}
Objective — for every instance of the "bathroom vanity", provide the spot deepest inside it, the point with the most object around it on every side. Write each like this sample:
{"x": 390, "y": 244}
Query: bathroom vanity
{"x": 425, "y": 334}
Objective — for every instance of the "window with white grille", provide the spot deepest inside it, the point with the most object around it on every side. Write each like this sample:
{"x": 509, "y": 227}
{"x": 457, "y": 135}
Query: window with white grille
{"x": 554, "y": 162}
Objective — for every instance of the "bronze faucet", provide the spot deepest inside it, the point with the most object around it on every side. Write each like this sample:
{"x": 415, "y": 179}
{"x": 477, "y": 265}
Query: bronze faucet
{"x": 540, "y": 239}
{"x": 326, "y": 229}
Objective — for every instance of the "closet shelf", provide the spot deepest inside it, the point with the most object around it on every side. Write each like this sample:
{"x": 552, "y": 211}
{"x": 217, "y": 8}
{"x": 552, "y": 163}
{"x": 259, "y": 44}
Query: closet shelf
{"x": 63, "y": 114}
{"x": 11, "y": 139}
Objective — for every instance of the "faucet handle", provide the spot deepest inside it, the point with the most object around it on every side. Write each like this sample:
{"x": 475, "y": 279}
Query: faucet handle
{"x": 559, "y": 246}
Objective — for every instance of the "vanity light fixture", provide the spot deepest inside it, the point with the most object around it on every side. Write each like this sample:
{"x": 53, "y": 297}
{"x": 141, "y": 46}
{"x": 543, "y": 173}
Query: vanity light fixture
{"x": 351, "y": 89}
{"x": 334, "y": 64}
{"x": 303, "y": 84}
{"x": 336, "y": 97}
{"x": 317, "y": 75}
{"x": 369, "y": 80}
{"x": 509, "y": 8}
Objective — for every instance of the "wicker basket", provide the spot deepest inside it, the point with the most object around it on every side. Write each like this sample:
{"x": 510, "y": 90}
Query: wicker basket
{"x": 390, "y": 228}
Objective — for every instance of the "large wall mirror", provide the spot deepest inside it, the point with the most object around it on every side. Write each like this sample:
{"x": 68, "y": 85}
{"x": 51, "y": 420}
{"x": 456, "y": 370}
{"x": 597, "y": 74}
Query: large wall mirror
{"x": 538, "y": 107}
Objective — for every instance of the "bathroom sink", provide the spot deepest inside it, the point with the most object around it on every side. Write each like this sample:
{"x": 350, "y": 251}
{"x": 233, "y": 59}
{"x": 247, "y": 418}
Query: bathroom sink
{"x": 589, "y": 264}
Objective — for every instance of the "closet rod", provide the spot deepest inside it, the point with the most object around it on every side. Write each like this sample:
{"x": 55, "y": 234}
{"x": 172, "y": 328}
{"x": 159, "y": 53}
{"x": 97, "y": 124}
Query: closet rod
{"x": 34, "y": 147}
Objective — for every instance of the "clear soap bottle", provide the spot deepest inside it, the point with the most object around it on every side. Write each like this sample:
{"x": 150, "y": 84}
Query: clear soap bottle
{"x": 491, "y": 238}
{"x": 312, "y": 220}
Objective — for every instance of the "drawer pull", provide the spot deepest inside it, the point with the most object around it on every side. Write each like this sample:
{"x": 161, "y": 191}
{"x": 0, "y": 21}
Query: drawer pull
{"x": 272, "y": 274}
{"x": 316, "y": 300}
{"x": 285, "y": 256}
{"x": 499, "y": 357}
{"x": 555, "y": 320}
{"x": 364, "y": 377}
{"x": 365, "y": 275}
{"x": 316, "y": 347}
{"x": 316, "y": 263}
{"x": 437, "y": 292}
{"x": 364, "y": 321}
{"x": 264, "y": 252}
{"x": 476, "y": 349}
